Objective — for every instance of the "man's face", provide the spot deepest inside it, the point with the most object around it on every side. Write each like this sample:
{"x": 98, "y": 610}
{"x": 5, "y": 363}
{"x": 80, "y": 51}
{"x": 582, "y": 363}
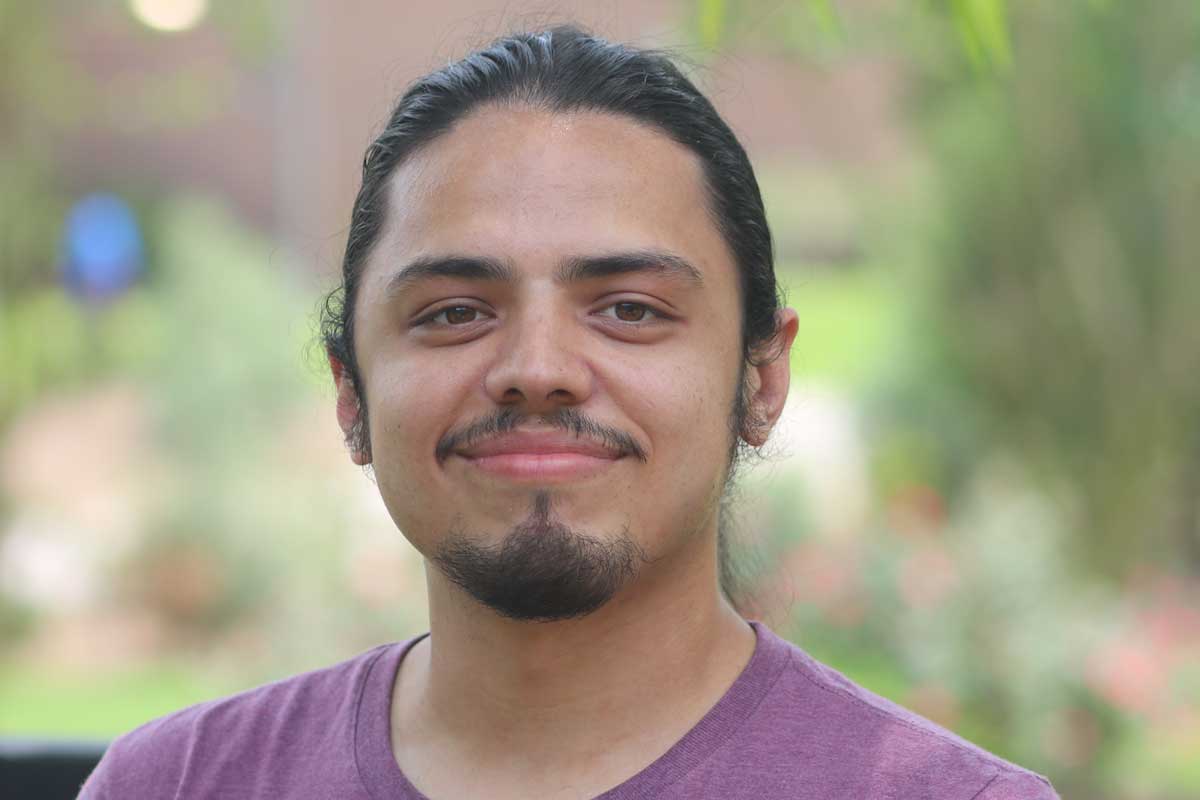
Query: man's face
{"x": 548, "y": 336}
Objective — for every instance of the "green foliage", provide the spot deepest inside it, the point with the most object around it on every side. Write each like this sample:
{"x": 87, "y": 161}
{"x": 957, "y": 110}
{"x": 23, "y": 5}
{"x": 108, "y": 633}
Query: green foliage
{"x": 228, "y": 368}
{"x": 1054, "y": 318}
{"x": 48, "y": 341}
{"x": 1062, "y": 306}
{"x": 234, "y": 335}
{"x": 983, "y": 29}
{"x": 710, "y": 21}
{"x": 843, "y": 325}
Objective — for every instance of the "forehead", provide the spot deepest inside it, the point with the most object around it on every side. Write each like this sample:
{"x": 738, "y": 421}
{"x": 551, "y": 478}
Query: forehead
{"x": 523, "y": 183}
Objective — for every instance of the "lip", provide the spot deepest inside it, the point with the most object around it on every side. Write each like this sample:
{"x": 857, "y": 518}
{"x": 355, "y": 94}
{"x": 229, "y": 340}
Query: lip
{"x": 538, "y": 456}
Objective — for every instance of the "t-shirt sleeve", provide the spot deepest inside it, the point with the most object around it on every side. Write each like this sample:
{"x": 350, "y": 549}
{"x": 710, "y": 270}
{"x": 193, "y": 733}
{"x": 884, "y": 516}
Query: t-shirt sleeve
{"x": 1017, "y": 785}
{"x": 142, "y": 763}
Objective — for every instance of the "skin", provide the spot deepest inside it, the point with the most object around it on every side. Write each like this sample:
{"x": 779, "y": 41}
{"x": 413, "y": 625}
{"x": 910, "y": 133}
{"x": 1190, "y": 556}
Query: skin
{"x": 564, "y": 709}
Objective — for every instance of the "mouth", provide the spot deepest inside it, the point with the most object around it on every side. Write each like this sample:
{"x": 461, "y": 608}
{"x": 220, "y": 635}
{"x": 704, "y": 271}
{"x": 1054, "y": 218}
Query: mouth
{"x": 542, "y": 467}
{"x": 540, "y": 457}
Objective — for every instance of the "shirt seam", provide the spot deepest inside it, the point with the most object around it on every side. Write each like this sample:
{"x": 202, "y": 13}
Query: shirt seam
{"x": 728, "y": 735}
{"x": 354, "y": 737}
{"x": 978, "y": 794}
{"x": 1009, "y": 771}
{"x": 1002, "y": 769}
{"x": 989, "y": 760}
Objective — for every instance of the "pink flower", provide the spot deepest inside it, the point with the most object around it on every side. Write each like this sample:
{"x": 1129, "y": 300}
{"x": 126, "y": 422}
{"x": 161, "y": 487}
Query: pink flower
{"x": 928, "y": 576}
{"x": 1128, "y": 674}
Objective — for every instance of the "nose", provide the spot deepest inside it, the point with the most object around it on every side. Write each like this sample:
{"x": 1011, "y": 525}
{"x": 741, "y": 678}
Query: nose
{"x": 539, "y": 366}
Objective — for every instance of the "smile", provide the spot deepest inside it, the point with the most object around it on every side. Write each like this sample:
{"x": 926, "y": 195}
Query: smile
{"x": 541, "y": 467}
{"x": 540, "y": 457}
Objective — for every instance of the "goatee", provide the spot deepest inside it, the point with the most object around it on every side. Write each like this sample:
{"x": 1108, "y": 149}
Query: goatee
{"x": 542, "y": 571}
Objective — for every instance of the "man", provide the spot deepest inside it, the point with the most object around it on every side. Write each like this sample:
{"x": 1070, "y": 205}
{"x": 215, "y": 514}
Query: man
{"x": 557, "y": 325}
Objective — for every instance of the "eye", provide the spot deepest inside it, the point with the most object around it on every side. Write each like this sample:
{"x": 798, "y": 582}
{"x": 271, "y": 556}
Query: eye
{"x": 458, "y": 315}
{"x": 451, "y": 316}
{"x": 627, "y": 311}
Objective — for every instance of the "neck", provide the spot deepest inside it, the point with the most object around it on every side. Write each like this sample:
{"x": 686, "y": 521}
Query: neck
{"x": 655, "y": 658}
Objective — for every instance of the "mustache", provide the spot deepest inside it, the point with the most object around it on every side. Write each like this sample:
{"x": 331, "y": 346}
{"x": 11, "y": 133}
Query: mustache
{"x": 567, "y": 419}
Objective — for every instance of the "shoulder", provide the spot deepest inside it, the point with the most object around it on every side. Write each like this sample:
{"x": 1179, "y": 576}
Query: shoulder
{"x": 220, "y": 735}
{"x": 883, "y": 748}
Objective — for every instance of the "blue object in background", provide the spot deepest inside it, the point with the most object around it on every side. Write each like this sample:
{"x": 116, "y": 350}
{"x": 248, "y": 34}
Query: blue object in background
{"x": 103, "y": 248}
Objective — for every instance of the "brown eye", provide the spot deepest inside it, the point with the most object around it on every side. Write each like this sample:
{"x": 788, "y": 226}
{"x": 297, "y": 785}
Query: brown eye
{"x": 630, "y": 312}
{"x": 460, "y": 315}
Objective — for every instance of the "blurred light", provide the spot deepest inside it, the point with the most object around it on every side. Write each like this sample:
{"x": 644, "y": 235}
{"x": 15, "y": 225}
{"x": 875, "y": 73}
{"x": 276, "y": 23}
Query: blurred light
{"x": 169, "y": 15}
{"x": 102, "y": 247}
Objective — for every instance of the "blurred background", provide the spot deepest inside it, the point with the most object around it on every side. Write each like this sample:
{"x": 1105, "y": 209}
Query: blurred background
{"x": 983, "y": 501}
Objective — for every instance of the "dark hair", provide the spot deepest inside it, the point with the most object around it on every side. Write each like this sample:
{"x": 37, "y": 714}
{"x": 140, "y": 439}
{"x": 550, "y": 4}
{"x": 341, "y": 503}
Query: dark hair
{"x": 566, "y": 69}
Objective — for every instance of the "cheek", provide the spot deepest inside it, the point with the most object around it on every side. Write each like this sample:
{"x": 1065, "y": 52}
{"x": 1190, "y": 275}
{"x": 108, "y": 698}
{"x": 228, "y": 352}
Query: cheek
{"x": 684, "y": 404}
{"x": 682, "y": 407}
{"x": 411, "y": 402}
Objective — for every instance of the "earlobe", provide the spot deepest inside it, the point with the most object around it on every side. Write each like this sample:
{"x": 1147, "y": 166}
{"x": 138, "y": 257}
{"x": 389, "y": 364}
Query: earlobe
{"x": 770, "y": 380}
{"x": 348, "y": 410}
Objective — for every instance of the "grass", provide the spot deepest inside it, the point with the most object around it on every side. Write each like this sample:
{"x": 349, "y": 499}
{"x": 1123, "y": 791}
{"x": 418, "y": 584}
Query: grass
{"x": 843, "y": 326}
{"x": 39, "y": 702}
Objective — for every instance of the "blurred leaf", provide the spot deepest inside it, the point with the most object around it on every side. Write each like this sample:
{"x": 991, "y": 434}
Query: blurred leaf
{"x": 711, "y": 21}
{"x": 826, "y": 16}
{"x": 983, "y": 27}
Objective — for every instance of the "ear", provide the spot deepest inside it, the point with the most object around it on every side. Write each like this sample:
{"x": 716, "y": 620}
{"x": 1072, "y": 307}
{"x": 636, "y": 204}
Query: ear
{"x": 768, "y": 382}
{"x": 349, "y": 410}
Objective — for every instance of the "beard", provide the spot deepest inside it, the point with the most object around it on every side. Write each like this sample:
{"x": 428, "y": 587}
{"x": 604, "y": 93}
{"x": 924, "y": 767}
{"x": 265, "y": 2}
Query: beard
{"x": 543, "y": 571}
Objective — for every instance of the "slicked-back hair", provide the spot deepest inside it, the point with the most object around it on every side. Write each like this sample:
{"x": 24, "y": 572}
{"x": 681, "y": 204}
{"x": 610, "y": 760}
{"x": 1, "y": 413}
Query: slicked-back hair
{"x": 565, "y": 69}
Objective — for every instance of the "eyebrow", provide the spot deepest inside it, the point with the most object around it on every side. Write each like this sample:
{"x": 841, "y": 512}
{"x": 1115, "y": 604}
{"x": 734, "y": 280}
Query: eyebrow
{"x": 660, "y": 262}
{"x": 470, "y": 268}
{"x": 572, "y": 270}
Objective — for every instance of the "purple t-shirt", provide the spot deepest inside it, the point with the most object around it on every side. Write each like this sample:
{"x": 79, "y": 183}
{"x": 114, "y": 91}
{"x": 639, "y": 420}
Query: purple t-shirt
{"x": 789, "y": 727}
